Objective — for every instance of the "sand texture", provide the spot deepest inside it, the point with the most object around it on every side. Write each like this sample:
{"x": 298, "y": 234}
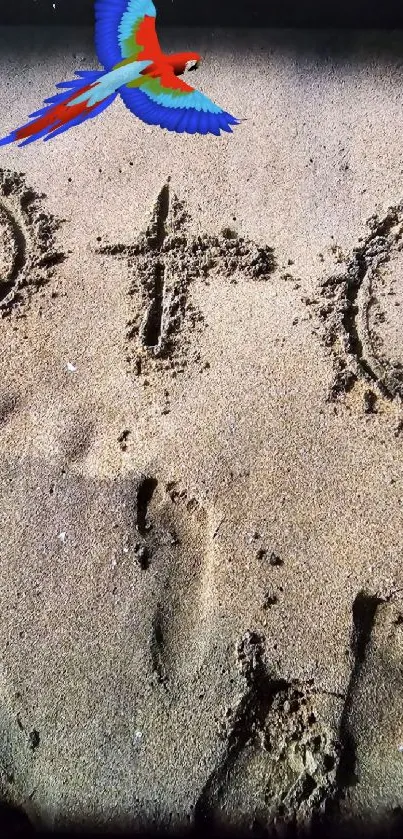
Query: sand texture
{"x": 201, "y": 430}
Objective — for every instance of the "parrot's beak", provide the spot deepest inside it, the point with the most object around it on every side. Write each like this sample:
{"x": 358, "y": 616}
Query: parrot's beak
{"x": 196, "y": 64}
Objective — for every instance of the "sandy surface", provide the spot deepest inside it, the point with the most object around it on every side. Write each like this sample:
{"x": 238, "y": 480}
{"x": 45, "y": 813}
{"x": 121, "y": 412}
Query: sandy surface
{"x": 201, "y": 477}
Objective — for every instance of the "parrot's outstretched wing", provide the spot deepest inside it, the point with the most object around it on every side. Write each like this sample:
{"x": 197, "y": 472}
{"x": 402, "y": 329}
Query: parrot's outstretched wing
{"x": 125, "y": 29}
{"x": 171, "y": 103}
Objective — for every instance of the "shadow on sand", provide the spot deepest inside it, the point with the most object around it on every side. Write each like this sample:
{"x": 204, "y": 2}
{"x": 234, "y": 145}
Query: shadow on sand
{"x": 14, "y": 823}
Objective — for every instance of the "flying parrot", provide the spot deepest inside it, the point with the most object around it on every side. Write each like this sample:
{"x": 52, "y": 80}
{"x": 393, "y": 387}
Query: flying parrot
{"x": 135, "y": 67}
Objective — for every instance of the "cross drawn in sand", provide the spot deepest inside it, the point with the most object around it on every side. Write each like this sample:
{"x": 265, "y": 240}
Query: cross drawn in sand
{"x": 164, "y": 261}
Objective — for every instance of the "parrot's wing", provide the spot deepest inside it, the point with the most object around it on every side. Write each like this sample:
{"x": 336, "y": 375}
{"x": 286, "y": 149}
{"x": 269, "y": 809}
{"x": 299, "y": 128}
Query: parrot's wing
{"x": 125, "y": 29}
{"x": 171, "y": 103}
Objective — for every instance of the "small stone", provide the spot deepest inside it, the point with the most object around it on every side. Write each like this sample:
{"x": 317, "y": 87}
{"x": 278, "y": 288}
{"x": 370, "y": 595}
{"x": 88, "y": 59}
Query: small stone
{"x": 269, "y": 601}
{"x": 123, "y": 438}
{"x": 275, "y": 560}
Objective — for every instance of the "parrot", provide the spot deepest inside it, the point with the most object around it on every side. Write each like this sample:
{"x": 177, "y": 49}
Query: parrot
{"x": 136, "y": 68}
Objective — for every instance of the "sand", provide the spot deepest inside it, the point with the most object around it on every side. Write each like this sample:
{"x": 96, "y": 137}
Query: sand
{"x": 200, "y": 443}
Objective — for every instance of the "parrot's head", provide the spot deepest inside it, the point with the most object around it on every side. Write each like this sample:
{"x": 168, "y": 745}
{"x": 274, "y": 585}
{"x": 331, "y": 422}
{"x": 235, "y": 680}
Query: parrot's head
{"x": 184, "y": 61}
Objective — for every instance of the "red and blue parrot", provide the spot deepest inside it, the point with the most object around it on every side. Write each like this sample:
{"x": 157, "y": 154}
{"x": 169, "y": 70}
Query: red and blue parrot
{"x": 147, "y": 79}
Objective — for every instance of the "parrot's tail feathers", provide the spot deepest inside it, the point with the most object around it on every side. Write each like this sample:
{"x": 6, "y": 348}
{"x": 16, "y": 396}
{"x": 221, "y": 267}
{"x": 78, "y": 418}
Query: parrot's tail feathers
{"x": 83, "y": 116}
{"x": 6, "y": 140}
{"x": 63, "y": 110}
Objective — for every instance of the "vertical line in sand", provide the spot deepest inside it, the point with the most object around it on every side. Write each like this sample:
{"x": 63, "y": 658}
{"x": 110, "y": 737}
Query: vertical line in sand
{"x": 153, "y": 326}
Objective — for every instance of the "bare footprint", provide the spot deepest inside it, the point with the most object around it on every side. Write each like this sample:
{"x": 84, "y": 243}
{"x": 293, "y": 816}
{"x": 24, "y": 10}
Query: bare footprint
{"x": 372, "y": 763}
{"x": 175, "y": 548}
{"x": 281, "y": 752}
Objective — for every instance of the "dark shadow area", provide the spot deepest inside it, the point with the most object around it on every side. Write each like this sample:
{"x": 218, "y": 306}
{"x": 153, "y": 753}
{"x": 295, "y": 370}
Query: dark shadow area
{"x": 337, "y": 49}
{"x": 357, "y": 13}
{"x": 364, "y": 612}
{"x": 14, "y": 826}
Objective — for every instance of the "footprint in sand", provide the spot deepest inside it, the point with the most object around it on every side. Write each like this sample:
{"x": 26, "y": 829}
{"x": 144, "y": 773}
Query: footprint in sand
{"x": 281, "y": 754}
{"x": 28, "y": 253}
{"x": 175, "y": 551}
{"x": 371, "y": 766}
{"x": 361, "y": 312}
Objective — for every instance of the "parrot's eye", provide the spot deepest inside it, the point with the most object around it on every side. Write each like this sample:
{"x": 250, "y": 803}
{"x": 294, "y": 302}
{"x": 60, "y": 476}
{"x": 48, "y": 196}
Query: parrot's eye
{"x": 192, "y": 65}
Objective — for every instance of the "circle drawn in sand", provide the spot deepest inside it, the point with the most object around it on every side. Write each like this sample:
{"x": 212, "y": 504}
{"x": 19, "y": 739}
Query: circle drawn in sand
{"x": 384, "y": 318}
{"x": 27, "y": 246}
{"x": 9, "y": 244}
{"x": 362, "y": 314}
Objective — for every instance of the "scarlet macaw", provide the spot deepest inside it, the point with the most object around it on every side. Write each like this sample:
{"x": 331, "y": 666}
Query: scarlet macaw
{"x": 135, "y": 67}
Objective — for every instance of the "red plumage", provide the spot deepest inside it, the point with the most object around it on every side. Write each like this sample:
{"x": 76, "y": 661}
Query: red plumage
{"x": 56, "y": 116}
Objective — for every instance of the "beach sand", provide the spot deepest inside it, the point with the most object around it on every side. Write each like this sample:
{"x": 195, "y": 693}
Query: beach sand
{"x": 201, "y": 473}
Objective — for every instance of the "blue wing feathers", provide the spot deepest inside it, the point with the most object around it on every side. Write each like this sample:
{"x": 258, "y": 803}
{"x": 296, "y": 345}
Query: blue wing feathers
{"x": 183, "y": 122}
{"x": 90, "y": 76}
{"x": 9, "y": 139}
{"x": 181, "y": 119}
{"x": 213, "y": 124}
{"x": 203, "y": 123}
{"x": 192, "y": 122}
{"x": 116, "y": 19}
{"x": 108, "y": 15}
